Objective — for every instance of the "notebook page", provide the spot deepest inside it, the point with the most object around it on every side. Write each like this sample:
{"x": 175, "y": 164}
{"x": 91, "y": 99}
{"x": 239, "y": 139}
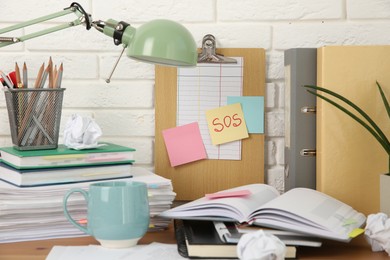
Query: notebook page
{"x": 205, "y": 87}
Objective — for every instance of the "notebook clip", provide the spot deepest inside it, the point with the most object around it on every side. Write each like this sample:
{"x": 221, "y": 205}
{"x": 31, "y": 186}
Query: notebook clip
{"x": 209, "y": 54}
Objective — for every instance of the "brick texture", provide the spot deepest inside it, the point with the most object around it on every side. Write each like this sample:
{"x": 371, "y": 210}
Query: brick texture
{"x": 124, "y": 108}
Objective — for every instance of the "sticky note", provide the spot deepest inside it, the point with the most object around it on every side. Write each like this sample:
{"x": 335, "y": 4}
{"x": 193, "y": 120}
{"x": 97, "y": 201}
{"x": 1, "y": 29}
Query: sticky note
{"x": 357, "y": 231}
{"x": 184, "y": 144}
{"x": 226, "y": 124}
{"x": 227, "y": 194}
{"x": 253, "y": 108}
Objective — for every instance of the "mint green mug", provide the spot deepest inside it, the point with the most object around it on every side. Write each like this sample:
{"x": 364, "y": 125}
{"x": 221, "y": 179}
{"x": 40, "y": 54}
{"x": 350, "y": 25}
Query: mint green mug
{"x": 118, "y": 212}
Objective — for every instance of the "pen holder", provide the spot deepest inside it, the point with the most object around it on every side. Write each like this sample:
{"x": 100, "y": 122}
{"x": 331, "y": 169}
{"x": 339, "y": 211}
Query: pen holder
{"x": 34, "y": 117}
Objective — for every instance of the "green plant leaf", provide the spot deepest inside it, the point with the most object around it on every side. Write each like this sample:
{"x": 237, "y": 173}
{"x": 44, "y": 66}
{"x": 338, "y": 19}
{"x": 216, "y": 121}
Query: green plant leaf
{"x": 373, "y": 129}
{"x": 384, "y": 99}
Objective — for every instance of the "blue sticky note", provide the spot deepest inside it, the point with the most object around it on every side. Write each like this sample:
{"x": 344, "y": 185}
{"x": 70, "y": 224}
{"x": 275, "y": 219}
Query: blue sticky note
{"x": 253, "y": 109}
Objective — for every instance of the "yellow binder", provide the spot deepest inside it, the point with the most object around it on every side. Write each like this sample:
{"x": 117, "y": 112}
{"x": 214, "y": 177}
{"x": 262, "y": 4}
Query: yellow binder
{"x": 349, "y": 159}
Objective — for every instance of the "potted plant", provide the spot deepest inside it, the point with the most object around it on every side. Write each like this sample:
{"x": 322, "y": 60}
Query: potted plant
{"x": 366, "y": 121}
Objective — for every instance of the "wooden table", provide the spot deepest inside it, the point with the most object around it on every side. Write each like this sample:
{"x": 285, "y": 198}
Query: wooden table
{"x": 34, "y": 250}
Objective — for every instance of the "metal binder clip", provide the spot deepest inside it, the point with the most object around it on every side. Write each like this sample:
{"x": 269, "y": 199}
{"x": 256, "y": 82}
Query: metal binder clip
{"x": 209, "y": 55}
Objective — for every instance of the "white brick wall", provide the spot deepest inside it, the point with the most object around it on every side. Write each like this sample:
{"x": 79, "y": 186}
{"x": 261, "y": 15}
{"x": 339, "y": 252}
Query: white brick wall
{"x": 124, "y": 108}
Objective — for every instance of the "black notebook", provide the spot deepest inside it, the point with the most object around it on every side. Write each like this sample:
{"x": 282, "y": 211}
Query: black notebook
{"x": 199, "y": 239}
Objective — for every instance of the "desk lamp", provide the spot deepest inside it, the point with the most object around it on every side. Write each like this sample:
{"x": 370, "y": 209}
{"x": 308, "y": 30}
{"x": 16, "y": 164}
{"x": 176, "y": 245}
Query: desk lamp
{"x": 161, "y": 41}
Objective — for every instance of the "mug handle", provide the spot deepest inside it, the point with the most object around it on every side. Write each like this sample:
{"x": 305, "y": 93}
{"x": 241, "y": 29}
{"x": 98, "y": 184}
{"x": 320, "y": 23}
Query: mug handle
{"x": 65, "y": 204}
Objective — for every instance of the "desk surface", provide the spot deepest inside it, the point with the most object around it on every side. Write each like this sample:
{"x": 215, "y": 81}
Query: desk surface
{"x": 34, "y": 250}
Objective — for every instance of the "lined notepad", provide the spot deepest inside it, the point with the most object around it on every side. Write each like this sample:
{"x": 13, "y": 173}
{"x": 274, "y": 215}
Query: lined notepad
{"x": 205, "y": 87}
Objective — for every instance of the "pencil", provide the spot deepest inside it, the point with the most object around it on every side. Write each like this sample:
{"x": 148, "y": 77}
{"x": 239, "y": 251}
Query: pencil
{"x": 31, "y": 103}
{"x": 58, "y": 80}
{"x": 17, "y": 74}
{"x": 51, "y": 78}
{"x": 55, "y": 73}
{"x": 44, "y": 77}
{"x": 25, "y": 79}
{"x": 39, "y": 76}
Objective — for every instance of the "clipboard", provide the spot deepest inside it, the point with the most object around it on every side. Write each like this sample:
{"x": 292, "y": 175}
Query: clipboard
{"x": 194, "y": 180}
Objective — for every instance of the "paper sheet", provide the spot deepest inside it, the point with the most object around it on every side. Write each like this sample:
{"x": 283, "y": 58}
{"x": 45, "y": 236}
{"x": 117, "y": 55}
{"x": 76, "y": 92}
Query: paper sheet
{"x": 205, "y": 87}
{"x": 94, "y": 252}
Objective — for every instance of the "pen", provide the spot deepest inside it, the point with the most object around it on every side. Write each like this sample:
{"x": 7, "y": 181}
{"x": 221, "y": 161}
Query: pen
{"x": 12, "y": 77}
{"x": 6, "y": 79}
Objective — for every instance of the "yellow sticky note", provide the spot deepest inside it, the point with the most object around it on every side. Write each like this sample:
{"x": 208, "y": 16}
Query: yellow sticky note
{"x": 357, "y": 231}
{"x": 226, "y": 124}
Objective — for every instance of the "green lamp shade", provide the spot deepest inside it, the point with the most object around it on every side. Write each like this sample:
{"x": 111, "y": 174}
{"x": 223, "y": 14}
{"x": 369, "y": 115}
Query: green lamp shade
{"x": 163, "y": 42}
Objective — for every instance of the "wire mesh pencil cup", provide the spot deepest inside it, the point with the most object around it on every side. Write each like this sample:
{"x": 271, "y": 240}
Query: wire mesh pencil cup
{"x": 34, "y": 117}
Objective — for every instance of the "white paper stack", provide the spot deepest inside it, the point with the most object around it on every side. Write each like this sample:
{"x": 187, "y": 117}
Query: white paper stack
{"x": 37, "y": 213}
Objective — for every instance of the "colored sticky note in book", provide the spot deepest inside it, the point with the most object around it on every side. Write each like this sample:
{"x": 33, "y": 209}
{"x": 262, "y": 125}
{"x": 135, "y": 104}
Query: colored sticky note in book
{"x": 226, "y": 124}
{"x": 184, "y": 144}
{"x": 253, "y": 108}
{"x": 356, "y": 232}
{"x": 228, "y": 194}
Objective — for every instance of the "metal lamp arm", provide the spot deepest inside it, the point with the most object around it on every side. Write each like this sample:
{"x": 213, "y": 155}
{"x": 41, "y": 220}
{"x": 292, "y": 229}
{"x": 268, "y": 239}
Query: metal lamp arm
{"x": 74, "y": 8}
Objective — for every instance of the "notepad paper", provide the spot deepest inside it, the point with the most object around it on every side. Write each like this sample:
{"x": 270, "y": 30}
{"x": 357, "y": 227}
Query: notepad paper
{"x": 206, "y": 87}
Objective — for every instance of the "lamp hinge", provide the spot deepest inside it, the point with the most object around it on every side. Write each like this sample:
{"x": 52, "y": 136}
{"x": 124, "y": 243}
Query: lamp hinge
{"x": 118, "y": 33}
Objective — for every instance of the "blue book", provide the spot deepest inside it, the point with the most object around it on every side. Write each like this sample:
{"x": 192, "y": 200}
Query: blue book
{"x": 65, "y": 157}
{"x": 63, "y": 175}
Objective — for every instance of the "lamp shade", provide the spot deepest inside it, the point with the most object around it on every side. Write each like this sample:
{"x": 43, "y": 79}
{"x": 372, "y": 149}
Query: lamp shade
{"x": 163, "y": 42}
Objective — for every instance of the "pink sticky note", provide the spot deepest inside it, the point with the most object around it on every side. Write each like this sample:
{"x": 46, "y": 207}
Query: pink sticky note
{"x": 184, "y": 144}
{"x": 226, "y": 194}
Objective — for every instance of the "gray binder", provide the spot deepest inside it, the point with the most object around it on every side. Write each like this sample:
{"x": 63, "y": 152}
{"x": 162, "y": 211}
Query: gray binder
{"x": 300, "y": 119}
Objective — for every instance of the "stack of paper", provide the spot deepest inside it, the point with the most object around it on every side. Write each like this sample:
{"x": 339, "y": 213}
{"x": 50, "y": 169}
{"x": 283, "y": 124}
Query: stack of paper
{"x": 37, "y": 213}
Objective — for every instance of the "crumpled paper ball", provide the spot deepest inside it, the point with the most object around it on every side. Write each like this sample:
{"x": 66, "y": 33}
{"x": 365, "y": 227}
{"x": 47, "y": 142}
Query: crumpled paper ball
{"x": 260, "y": 246}
{"x": 377, "y": 232}
{"x": 81, "y": 133}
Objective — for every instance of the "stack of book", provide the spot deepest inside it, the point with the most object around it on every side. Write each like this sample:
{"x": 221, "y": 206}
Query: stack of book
{"x": 63, "y": 165}
{"x": 33, "y": 183}
{"x": 206, "y": 239}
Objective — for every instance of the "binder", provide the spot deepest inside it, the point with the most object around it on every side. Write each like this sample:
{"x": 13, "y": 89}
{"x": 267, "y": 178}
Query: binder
{"x": 300, "y": 118}
{"x": 349, "y": 160}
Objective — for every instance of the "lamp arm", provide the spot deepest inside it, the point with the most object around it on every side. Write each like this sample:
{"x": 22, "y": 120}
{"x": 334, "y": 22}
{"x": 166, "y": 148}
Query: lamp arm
{"x": 82, "y": 17}
{"x": 159, "y": 42}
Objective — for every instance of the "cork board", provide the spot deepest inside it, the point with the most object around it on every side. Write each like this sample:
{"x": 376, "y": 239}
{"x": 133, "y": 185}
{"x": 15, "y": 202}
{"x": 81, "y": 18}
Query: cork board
{"x": 193, "y": 180}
